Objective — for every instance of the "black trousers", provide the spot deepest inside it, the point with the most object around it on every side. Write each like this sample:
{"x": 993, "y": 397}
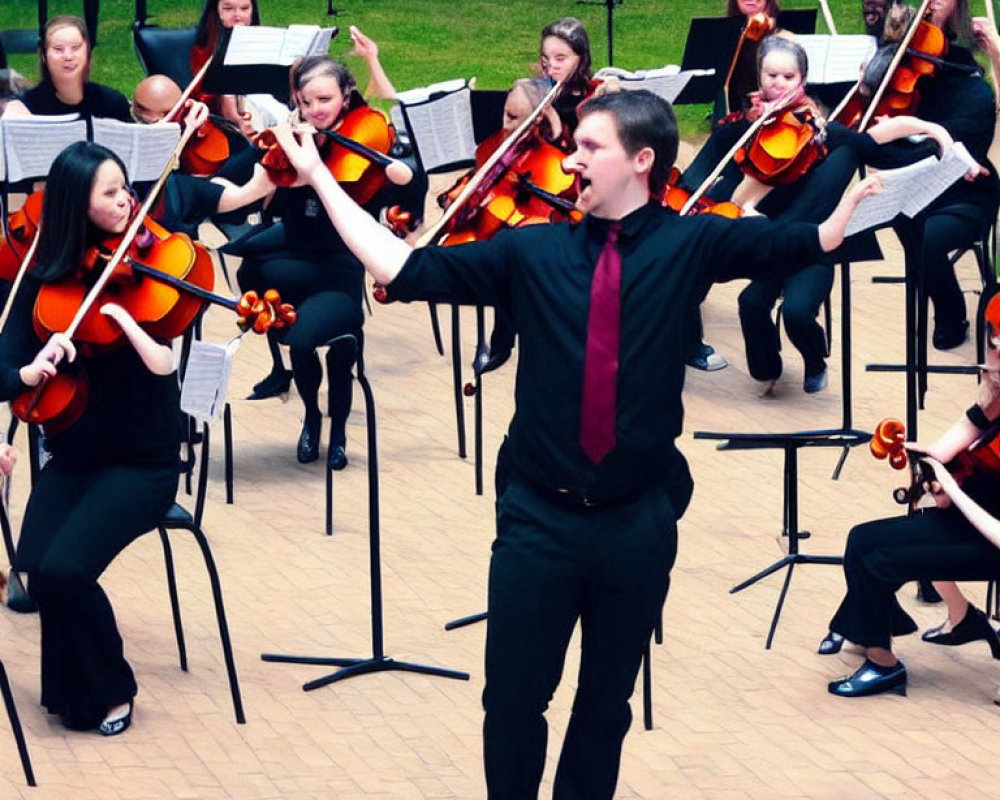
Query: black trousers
{"x": 327, "y": 297}
{"x": 554, "y": 564}
{"x": 803, "y": 292}
{"x": 75, "y": 524}
{"x": 933, "y": 545}
{"x": 946, "y": 229}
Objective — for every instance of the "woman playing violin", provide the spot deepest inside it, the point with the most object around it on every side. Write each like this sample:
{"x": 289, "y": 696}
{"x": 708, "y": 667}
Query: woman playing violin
{"x": 957, "y": 98}
{"x": 565, "y": 56}
{"x": 215, "y": 16}
{"x": 958, "y": 539}
{"x": 64, "y": 65}
{"x": 113, "y": 474}
{"x": 306, "y": 261}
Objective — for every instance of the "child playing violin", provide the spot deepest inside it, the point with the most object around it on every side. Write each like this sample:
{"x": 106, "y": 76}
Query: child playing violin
{"x": 958, "y": 539}
{"x": 112, "y": 474}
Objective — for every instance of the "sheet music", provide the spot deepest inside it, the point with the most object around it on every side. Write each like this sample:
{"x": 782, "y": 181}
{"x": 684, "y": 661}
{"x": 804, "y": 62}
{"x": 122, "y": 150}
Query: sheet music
{"x": 31, "y": 144}
{"x": 836, "y": 59}
{"x": 440, "y": 124}
{"x": 667, "y": 82}
{"x": 206, "y": 379}
{"x": 910, "y": 189}
{"x": 261, "y": 44}
{"x": 144, "y": 149}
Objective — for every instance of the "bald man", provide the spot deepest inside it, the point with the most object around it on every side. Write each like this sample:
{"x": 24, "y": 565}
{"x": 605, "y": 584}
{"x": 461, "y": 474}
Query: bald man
{"x": 154, "y": 97}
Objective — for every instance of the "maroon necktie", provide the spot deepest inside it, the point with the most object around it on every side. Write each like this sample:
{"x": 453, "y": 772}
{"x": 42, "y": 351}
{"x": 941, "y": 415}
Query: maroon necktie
{"x": 600, "y": 364}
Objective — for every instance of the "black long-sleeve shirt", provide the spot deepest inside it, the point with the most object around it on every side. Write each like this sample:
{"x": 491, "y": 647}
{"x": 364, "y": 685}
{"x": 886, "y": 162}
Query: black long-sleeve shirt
{"x": 541, "y": 276}
{"x": 131, "y": 417}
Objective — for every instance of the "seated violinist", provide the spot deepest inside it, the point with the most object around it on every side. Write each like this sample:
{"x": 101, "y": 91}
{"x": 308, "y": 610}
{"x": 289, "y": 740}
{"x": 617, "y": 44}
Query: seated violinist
{"x": 305, "y": 259}
{"x": 113, "y": 472}
{"x": 958, "y": 539}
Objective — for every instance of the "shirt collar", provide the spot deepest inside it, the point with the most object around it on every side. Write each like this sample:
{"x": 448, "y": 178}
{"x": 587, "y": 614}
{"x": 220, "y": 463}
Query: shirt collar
{"x": 631, "y": 224}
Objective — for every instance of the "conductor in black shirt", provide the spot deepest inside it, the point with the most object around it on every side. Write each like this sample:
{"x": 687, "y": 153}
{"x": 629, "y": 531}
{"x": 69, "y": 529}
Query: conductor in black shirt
{"x": 589, "y": 483}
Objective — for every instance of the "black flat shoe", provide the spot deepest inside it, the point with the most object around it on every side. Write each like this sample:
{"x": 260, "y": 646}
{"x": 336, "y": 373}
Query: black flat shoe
{"x": 950, "y": 335}
{"x": 974, "y": 626}
{"x": 336, "y": 459}
{"x": 869, "y": 679}
{"x": 831, "y": 644}
{"x": 112, "y": 726}
{"x": 275, "y": 384}
{"x": 308, "y": 447}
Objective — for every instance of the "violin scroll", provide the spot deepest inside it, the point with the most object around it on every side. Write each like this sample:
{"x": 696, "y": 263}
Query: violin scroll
{"x": 887, "y": 443}
{"x": 260, "y": 314}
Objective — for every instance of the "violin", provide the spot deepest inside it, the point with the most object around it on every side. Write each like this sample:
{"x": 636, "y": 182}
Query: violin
{"x": 20, "y": 232}
{"x": 757, "y": 27}
{"x": 676, "y": 198}
{"x": 887, "y": 442}
{"x": 529, "y": 187}
{"x": 913, "y": 58}
{"x": 351, "y": 153}
{"x": 69, "y": 305}
{"x": 786, "y": 146}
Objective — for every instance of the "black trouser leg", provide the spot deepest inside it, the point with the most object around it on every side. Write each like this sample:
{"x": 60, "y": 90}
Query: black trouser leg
{"x": 551, "y": 565}
{"x": 75, "y": 524}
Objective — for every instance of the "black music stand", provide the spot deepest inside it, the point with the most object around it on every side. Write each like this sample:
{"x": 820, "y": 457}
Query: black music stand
{"x": 711, "y": 42}
{"x": 790, "y": 443}
{"x": 916, "y": 367}
{"x": 610, "y": 5}
{"x": 379, "y": 661}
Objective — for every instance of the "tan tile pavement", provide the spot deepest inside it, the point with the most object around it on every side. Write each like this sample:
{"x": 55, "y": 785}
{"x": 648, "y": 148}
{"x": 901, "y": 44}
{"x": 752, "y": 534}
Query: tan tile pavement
{"x": 732, "y": 720}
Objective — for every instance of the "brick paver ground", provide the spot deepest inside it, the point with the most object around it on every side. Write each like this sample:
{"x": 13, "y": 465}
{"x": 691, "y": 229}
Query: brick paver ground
{"x": 732, "y": 720}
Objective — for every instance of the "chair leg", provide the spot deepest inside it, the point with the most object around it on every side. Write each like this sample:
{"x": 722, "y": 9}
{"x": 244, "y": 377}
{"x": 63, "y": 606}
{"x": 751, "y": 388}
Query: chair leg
{"x": 175, "y": 606}
{"x": 15, "y": 726}
{"x": 436, "y": 328}
{"x": 828, "y": 320}
{"x": 220, "y": 615}
{"x": 227, "y": 432}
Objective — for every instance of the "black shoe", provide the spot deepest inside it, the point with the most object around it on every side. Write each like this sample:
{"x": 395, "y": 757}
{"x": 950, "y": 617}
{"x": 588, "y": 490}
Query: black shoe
{"x": 705, "y": 358}
{"x": 308, "y": 448}
{"x": 337, "y": 458}
{"x": 17, "y": 598}
{"x": 926, "y": 593}
{"x": 974, "y": 626}
{"x": 274, "y": 385}
{"x": 948, "y": 336}
{"x": 120, "y": 724}
{"x": 815, "y": 383}
{"x": 870, "y": 678}
{"x": 831, "y": 644}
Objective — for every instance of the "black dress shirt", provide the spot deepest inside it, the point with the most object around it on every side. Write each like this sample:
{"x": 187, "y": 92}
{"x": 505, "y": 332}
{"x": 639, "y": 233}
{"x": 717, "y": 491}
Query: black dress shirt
{"x": 98, "y": 101}
{"x": 541, "y": 276}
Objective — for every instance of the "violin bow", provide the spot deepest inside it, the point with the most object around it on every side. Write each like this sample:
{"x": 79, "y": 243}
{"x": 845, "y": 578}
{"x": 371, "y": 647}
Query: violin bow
{"x": 130, "y": 234}
{"x": 769, "y": 111}
{"x": 900, "y": 54}
{"x": 827, "y": 16}
{"x": 21, "y": 272}
{"x": 189, "y": 90}
{"x": 434, "y": 233}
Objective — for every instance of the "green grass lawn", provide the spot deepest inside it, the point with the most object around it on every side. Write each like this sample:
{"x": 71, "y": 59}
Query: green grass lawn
{"x": 423, "y": 41}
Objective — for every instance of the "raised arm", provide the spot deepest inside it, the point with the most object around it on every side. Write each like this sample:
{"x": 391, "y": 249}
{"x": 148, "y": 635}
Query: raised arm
{"x": 379, "y": 84}
{"x": 831, "y": 230}
{"x": 381, "y": 253}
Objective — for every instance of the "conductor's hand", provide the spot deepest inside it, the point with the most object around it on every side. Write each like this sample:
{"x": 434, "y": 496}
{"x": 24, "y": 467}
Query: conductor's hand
{"x": 58, "y": 347}
{"x": 300, "y": 147}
